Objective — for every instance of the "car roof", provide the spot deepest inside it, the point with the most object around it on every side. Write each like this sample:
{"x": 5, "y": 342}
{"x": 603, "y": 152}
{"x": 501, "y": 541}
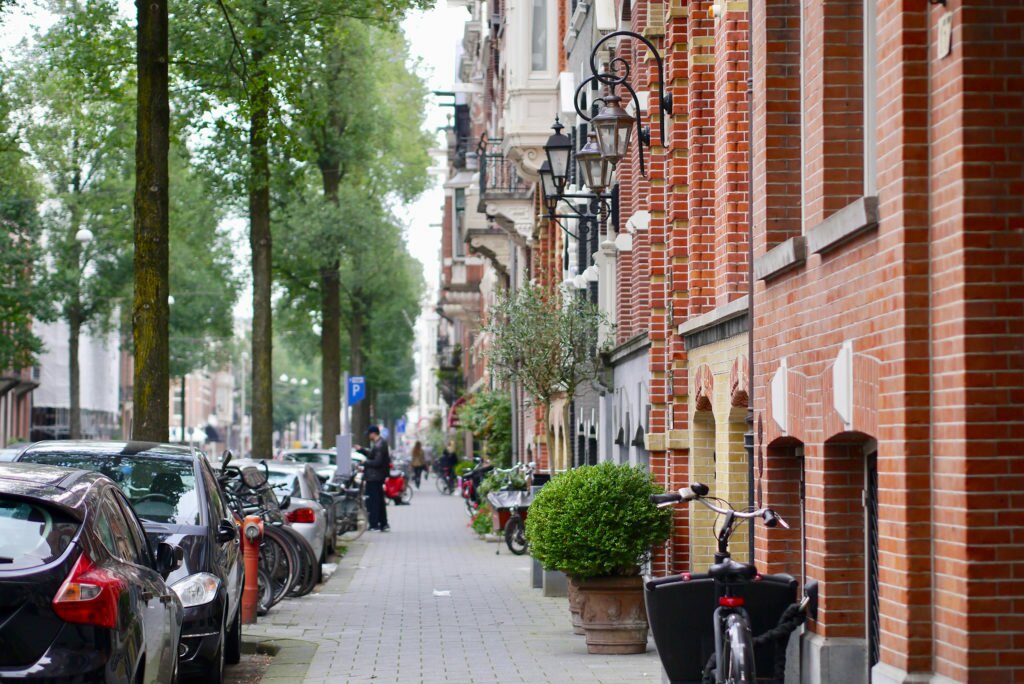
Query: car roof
{"x": 176, "y": 452}
{"x": 65, "y": 487}
{"x": 287, "y": 452}
{"x": 273, "y": 465}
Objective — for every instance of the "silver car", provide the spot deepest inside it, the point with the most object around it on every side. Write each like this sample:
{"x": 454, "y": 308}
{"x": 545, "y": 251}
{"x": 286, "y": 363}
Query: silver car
{"x": 304, "y": 511}
{"x": 322, "y": 460}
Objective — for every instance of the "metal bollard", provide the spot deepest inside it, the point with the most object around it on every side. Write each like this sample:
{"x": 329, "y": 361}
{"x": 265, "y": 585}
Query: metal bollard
{"x": 252, "y": 534}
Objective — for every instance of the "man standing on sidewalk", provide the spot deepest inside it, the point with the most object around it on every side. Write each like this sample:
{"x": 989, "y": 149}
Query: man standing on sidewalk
{"x": 375, "y": 471}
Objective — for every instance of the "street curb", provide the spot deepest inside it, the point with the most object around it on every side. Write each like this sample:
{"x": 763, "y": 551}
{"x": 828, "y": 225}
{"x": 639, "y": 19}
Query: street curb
{"x": 291, "y": 658}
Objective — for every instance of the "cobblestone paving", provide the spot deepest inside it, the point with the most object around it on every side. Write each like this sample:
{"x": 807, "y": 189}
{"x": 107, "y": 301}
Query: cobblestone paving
{"x": 380, "y": 619}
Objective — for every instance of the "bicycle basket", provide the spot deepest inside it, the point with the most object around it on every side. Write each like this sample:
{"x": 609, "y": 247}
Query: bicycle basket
{"x": 505, "y": 499}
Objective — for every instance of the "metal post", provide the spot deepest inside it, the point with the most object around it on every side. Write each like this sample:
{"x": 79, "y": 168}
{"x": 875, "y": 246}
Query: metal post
{"x": 344, "y": 404}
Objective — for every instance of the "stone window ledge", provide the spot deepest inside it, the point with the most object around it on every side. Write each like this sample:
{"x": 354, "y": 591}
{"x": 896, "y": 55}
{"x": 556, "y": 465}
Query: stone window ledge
{"x": 858, "y": 217}
{"x": 734, "y": 309}
{"x": 781, "y": 258}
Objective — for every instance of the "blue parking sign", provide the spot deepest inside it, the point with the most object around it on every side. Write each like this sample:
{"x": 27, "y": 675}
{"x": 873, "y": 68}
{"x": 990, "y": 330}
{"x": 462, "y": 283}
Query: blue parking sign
{"x": 400, "y": 425}
{"x": 356, "y": 389}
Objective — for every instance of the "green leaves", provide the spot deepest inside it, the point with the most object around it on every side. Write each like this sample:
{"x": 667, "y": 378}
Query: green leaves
{"x": 596, "y": 520}
{"x": 488, "y": 415}
{"x": 543, "y": 342}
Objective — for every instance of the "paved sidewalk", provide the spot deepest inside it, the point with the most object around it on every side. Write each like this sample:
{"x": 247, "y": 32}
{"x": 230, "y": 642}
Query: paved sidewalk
{"x": 380, "y": 619}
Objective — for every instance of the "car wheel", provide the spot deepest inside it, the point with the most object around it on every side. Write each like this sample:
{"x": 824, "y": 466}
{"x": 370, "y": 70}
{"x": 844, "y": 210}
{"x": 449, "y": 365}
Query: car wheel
{"x": 233, "y": 648}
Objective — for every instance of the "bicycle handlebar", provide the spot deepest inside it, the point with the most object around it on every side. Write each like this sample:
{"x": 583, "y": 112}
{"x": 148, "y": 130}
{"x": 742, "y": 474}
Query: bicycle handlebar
{"x": 697, "y": 491}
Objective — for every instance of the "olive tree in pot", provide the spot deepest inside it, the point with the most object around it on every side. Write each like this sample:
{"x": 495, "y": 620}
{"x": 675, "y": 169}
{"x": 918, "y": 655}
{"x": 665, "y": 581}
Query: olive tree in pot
{"x": 546, "y": 343}
{"x": 596, "y": 524}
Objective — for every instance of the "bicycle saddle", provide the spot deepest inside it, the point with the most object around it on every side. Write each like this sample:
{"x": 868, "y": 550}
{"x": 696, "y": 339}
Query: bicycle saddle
{"x": 730, "y": 571}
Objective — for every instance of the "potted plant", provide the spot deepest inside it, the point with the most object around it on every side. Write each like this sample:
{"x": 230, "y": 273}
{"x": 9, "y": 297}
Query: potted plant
{"x": 596, "y": 524}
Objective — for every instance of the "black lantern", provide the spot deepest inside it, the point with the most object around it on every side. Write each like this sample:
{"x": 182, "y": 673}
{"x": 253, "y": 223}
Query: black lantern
{"x": 597, "y": 171}
{"x": 613, "y": 126}
{"x": 558, "y": 149}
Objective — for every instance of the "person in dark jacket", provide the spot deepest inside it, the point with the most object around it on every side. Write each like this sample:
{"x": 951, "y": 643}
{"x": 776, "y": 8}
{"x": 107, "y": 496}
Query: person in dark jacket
{"x": 375, "y": 471}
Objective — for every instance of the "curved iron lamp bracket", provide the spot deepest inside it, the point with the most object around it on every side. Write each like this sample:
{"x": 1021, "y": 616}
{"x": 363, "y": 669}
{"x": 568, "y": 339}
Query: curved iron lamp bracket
{"x": 611, "y": 78}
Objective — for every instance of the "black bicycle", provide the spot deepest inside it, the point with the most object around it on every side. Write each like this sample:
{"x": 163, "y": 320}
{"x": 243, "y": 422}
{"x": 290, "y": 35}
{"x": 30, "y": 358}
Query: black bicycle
{"x": 733, "y": 659}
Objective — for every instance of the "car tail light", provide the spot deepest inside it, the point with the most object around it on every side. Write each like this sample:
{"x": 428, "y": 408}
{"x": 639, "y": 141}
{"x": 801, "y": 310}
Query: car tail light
{"x": 301, "y": 515}
{"x": 89, "y": 595}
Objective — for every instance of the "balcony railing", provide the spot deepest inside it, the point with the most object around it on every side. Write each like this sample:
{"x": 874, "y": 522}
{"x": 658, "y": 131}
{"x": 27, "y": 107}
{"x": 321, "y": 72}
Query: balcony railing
{"x": 499, "y": 178}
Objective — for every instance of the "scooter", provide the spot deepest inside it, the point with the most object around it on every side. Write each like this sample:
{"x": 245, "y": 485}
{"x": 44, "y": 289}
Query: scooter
{"x": 397, "y": 487}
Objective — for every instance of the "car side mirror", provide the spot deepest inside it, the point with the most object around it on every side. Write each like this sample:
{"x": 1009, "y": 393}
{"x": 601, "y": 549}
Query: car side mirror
{"x": 169, "y": 558}
{"x": 226, "y": 532}
{"x": 286, "y": 501}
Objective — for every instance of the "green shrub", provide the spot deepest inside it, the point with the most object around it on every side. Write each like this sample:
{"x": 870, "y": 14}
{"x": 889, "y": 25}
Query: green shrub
{"x": 482, "y": 523}
{"x": 462, "y": 466}
{"x": 596, "y": 520}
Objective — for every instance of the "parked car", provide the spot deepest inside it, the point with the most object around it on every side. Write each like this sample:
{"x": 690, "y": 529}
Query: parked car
{"x": 8, "y": 454}
{"x": 82, "y": 595}
{"x": 303, "y": 508}
{"x": 322, "y": 460}
{"x": 176, "y": 495}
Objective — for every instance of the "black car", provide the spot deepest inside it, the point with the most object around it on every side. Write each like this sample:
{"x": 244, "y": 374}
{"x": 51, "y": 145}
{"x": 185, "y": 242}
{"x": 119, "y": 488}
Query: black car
{"x": 176, "y": 495}
{"x": 82, "y": 596}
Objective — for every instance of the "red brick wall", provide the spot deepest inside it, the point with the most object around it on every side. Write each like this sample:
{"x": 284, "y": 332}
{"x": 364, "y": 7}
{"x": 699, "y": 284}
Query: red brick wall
{"x": 732, "y": 154}
{"x": 833, "y": 81}
{"x": 776, "y": 167}
{"x": 977, "y": 215}
{"x": 702, "y": 160}
{"x": 931, "y": 302}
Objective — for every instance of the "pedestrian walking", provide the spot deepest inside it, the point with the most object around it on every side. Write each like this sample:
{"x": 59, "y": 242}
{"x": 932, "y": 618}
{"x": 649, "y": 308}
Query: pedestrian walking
{"x": 419, "y": 463}
{"x": 375, "y": 471}
{"x": 448, "y": 461}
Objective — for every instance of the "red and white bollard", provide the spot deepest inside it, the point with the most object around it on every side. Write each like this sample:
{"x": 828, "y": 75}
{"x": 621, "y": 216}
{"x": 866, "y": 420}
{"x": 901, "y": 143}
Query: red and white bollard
{"x": 252, "y": 535}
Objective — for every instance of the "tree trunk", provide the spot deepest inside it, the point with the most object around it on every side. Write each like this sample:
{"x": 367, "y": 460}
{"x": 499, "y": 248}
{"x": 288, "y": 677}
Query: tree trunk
{"x": 260, "y": 244}
{"x": 330, "y": 327}
{"x": 75, "y": 401}
{"x": 261, "y": 247}
{"x": 330, "y": 353}
{"x": 150, "y": 308}
{"x": 361, "y": 411}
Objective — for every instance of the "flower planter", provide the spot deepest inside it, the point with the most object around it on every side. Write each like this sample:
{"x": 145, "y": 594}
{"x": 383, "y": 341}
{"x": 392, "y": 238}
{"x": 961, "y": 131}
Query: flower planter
{"x": 575, "y": 604}
{"x": 613, "y": 615}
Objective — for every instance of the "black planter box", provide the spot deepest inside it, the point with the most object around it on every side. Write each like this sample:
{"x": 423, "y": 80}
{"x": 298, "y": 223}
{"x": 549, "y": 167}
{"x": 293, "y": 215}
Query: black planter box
{"x": 680, "y": 615}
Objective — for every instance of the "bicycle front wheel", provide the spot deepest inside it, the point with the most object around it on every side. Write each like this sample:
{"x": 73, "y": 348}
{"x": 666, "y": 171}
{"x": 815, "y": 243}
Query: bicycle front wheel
{"x": 739, "y": 651}
{"x": 515, "y": 535}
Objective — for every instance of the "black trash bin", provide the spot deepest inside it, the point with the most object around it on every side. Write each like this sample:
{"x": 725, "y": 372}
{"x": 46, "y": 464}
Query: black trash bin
{"x": 680, "y": 616}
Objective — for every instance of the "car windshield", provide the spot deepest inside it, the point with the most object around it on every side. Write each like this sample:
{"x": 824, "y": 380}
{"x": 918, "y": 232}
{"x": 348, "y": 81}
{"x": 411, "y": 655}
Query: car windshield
{"x": 161, "y": 490}
{"x": 309, "y": 457}
{"x": 32, "y": 535}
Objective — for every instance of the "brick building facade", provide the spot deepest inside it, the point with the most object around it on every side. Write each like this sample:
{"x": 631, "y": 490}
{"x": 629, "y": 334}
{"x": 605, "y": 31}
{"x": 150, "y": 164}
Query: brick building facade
{"x": 839, "y": 190}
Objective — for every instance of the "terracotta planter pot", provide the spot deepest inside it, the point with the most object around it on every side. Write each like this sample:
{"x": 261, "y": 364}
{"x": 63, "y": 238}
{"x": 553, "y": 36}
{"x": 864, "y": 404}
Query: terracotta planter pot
{"x": 613, "y": 615}
{"x": 575, "y": 604}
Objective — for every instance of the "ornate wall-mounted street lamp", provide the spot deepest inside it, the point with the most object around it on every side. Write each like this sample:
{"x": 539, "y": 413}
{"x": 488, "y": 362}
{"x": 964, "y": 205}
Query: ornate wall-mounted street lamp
{"x": 613, "y": 124}
{"x": 558, "y": 150}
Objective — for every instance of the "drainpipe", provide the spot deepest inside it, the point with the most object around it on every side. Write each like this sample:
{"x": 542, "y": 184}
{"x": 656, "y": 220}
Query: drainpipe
{"x": 748, "y": 437}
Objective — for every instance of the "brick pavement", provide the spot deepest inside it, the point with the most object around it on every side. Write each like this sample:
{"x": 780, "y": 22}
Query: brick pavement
{"x": 378, "y": 618}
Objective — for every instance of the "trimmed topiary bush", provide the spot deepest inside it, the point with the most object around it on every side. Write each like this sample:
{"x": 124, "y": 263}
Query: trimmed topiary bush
{"x": 595, "y": 521}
